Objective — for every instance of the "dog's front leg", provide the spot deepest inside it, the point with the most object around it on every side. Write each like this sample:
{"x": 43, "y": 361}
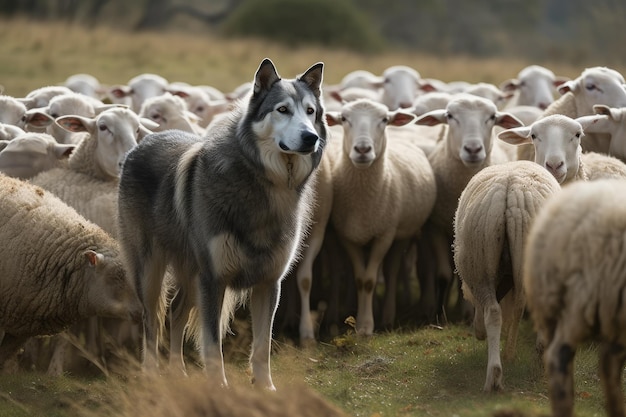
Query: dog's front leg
{"x": 210, "y": 302}
{"x": 263, "y": 304}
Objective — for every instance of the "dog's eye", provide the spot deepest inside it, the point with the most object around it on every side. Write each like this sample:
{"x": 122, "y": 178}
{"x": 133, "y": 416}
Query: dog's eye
{"x": 282, "y": 109}
{"x": 310, "y": 110}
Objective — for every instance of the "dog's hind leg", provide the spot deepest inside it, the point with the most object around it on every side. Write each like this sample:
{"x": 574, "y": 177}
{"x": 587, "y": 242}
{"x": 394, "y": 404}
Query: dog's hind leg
{"x": 150, "y": 293}
{"x": 263, "y": 303}
{"x": 210, "y": 301}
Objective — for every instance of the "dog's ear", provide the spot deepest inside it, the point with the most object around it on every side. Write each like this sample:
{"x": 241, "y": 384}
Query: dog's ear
{"x": 313, "y": 77}
{"x": 265, "y": 76}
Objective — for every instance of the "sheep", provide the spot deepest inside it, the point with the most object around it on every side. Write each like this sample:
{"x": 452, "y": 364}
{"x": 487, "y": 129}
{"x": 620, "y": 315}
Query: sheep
{"x": 595, "y": 85}
{"x": 203, "y": 101}
{"x": 40, "y": 97}
{"x": 138, "y": 89}
{"x": 400, "y": 87}
{"x": 89, "y": 182}
{"x": 41, "y": 119}
{"x": 491, "y": 224}
{"x": 434, "y": 100}
{"x": 29, "y": 154}
{"x": 609, "y": 121}
{"x": 490, "y": 91}
{"x": 465, "y": 149}
{"x": 534, "y": 86}
{"x": 556, "y": 141}
{"x": 9, "y": 131}
{"x": 170, "y": 112}
{"x": 12, "y": 111}
{"x": 574, "y": 283}
{"x": 85, "y": 84}
{"x": 383, "y": 190}
{"x": 58, "y": 269}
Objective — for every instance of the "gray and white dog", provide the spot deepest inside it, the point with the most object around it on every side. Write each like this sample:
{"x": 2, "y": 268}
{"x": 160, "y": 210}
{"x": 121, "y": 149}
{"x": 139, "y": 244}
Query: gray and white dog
{"x": 227, "y": 212}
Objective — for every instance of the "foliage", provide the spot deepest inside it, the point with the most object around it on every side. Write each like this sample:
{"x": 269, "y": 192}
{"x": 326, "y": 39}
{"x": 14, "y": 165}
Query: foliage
{"x": 298, "y": 22}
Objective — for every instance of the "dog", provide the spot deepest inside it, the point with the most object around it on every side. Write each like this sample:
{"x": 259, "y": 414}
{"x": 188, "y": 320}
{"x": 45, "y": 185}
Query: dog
{"x": 226, "y": 213}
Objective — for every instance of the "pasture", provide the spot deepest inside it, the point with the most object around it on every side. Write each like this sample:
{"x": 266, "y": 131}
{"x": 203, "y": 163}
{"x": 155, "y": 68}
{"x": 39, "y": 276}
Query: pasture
{"x": 412, "y": 371}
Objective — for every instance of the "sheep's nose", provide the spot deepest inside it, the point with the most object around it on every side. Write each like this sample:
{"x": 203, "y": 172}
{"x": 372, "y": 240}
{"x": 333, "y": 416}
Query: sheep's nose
{"x": 473, "y": 149}
{"x": 542, "y": 106}
{"x": 554, "y": 166}
{"x": 363, "y": 149}
{"x": 405, "y": 105}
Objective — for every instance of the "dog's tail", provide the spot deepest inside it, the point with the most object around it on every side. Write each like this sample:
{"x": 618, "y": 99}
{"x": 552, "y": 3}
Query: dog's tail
{"x": 233, "y": 299}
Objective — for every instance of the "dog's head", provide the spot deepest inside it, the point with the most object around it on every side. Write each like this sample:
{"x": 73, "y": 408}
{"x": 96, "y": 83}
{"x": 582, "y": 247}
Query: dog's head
{"x": 289, "y": 112}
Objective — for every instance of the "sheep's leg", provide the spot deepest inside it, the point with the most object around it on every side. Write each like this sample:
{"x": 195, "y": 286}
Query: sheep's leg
{"x": 263, "y": 305}
{"x": 393, "y": 261}
{"x": 559, "y": 358}
{"x": 378, "y": 250}
{"x": 364, "y": 318}
{"x": 493, "y": 327}
{"x": 612, "y": 358}
{"x": 9, "y": 347}
{"x": 179, "y": 317}
{"x": 304, "y": 276}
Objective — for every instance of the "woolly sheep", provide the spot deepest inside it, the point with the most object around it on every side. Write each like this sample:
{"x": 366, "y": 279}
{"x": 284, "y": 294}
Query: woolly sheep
{"x": 534, "y": 86}
{"x": 465, "y": 149}
{"x": 85, "y": 84}
{"x": 12, "y": 111}
{"x": 556, "y": 141}
{"x": 40, "y": 97}
{"x": 491, "y": 224}
{"x": 609, "y": 121}
{"x": 383, "y": 189}
{"x": 203, "y": 101}
{"x": 31, "y": 153}
{"x": 491, "y": 92}
{"x": 41, "y": 119}
{"x": 89, "y": 182}
{"x": 595, "y": 85}
{"x": 58, "y": 269}
{"x": 170, "y": 112}
{"x": 575, "y": 285}
{"x": 400, "y": 87}
{"x": 138, "y": 89}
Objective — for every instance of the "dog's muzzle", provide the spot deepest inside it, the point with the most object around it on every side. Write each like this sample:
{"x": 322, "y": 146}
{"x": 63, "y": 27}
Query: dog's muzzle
{"x": 308, "y": 144}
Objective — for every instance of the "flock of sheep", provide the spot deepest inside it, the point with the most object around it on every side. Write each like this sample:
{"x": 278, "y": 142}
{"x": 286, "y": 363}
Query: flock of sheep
{"x": 516, "y": 194}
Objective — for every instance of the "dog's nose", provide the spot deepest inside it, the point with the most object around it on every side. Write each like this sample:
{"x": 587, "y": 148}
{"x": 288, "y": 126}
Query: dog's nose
{"x": 309, "y": 139}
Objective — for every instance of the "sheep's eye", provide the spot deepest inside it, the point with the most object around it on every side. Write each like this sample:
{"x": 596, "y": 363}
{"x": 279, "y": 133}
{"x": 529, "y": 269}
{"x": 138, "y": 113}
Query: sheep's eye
{"x": 492, "y": 117}
{"x": 200, "y": 109}
{"x": 590, "y": 87}
{"x": 343, "y": 119}
{"x": 282, "y": 109}
{"x": 449, "y": 116}
{"x": 533, "y": 136}
{"x": 310, "y": 110}
{"x": 102, "y": 128}
{"x": 385, "y": 120}
{"x": 23, "y": 118}
{"x": 54, "y": 115}
{"x": 578, "y": 135}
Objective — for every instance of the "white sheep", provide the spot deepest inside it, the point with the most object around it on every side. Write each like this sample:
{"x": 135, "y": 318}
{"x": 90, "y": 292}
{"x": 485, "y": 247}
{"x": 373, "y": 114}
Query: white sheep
{"x": 9, "y": 131}
{"x": 608, "y": 121}
{"x": 383, "y": 190}
{"x": 138, "y": 89}
{"x": 29, "y": 154}
{"x": 401, "y": 86}
{"x": 58, "y": 269}
{"x": 534, "y": 86}
{"x": 595, "y": 85}
{"x": 12, "y": 111}
{"x": 465, "y": 149}
{"x": 490, "y": 91}
{"x": 86, "y": 84}
{"x": 203, "y": 101}
{"x": 89, "y": 181}
{"x": 495, "y": 212}
{"x": 170, "y": 112}
{"x": 41, "y": 119}
{"x": 575, "y": 286}
{"x": 556, "y": 140}
{"x": 40, "y": 97}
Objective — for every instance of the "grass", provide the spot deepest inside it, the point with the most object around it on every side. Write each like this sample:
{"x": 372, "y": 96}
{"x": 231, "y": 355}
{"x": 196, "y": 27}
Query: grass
{"x": 420, "y": 372}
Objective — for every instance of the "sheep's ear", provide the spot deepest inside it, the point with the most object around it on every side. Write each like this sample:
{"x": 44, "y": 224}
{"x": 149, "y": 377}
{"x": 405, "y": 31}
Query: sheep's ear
{"x": 120, "y": 91}
{"x": 400, "y": 118}
{"x": 426, "y": 86}
{"x": 595, "y": 123}
{"x": 148, "y": 123}
{"x": 432, "y": 118}
{"x": 336, "y": 94}
{"x": 333, "y": 118}
{"x": 62, "y": 150}
{"x": 510, "y": 85}
{"x": 566, "y": 87}
{"x": 615, "y": 114}
{"x": 313, "y": 77}
{"x": 93, "y": 257}
{"x": 516, "y": 136}
{"x": 559, "y": 81}
{"x": 3, "y": 144}
{"x": 76, "y": 123}
{"x": 265, "y": 76}
{"x": 507, "y": 120}
{"x": 37, "y": 118}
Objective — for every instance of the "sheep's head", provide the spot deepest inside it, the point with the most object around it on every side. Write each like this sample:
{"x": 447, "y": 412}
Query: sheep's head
{"x": 364, "y": 122}
{"x": 597, "y": 85}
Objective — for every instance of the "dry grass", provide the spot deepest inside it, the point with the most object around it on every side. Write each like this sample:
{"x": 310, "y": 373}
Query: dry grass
{"x": 36, "y": 54}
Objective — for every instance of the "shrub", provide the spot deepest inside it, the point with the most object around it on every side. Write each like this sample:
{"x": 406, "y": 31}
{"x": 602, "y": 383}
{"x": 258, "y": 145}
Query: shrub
{"x": 297, "y": 22}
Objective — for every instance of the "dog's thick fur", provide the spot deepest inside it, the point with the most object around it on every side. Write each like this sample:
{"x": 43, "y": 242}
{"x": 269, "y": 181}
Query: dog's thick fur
{"x": 226, "y": 212}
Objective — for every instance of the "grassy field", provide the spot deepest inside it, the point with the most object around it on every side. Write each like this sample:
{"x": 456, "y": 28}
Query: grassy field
{"x": 423, "y": 372}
